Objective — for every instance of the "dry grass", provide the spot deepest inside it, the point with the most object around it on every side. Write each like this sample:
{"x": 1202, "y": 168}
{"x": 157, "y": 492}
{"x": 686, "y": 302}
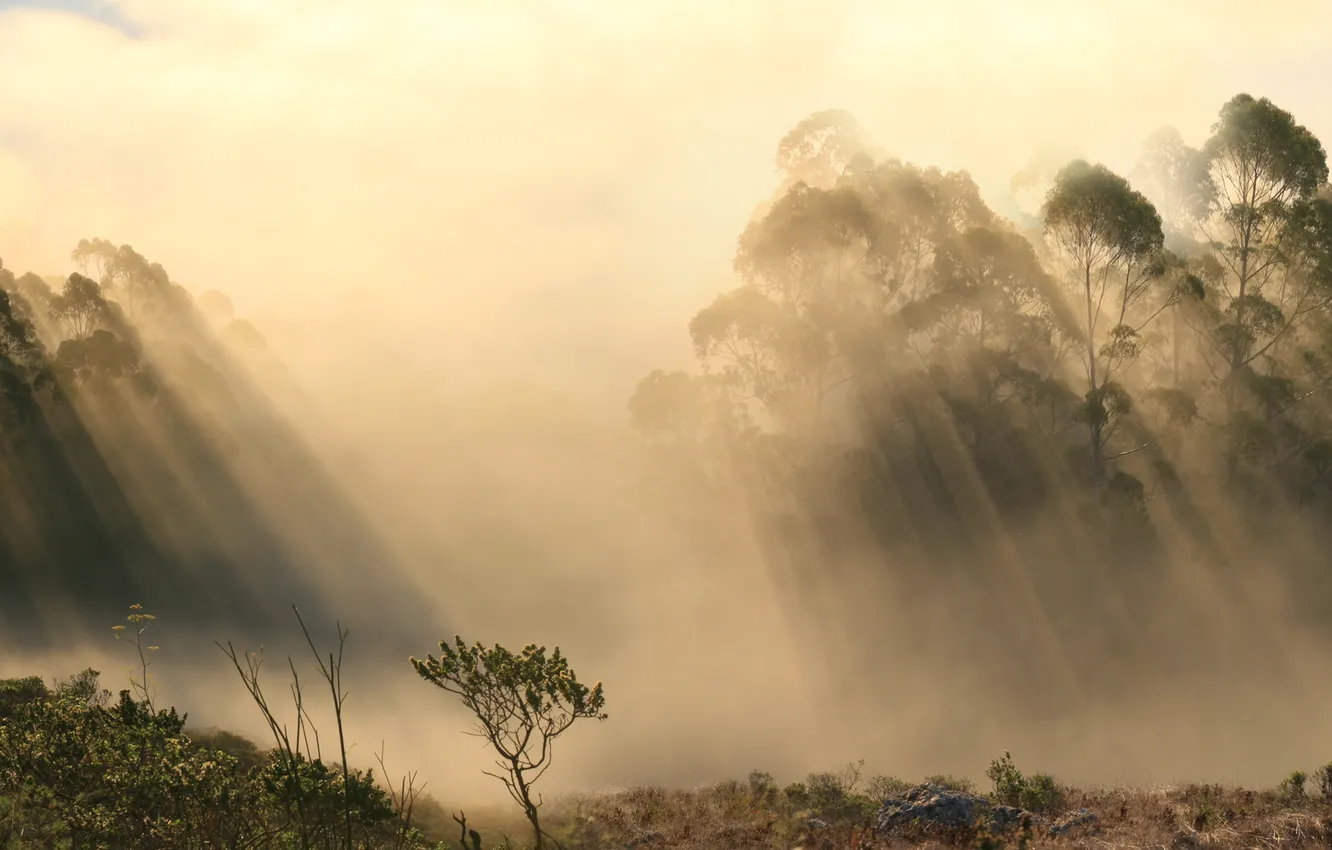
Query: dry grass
{"x": 1199, "y": 816}
{"x": 738, "y": 816}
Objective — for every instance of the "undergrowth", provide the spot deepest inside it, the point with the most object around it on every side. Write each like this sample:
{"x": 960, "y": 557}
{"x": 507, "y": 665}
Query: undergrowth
{"x": 81, "y": 768}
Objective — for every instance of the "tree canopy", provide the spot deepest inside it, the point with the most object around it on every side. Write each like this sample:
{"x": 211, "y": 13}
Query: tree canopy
{"x": 918, "y": 371}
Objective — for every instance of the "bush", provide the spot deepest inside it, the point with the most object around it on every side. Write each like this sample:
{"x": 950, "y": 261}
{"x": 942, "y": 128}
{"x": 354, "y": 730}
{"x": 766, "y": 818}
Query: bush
{"x": 832, "y": 797}
{"x": 1323, "y": 776}
{"x": 243, "y": 750}
{"x": 18, "y": 692}
{"x": 1041, "y": 793}
{"x": 323, "y": 804}
{"x": 79, "y": 769}
{"x": 1036, "y": 793}
{"x": 880, "y": 788}
{"x": 1292, "y": 787}
{"x": 762, "y": 786}
{"x": 797, "y": 795}
{"x": 124, "y": 773}
{"x": 1007, "y": 779}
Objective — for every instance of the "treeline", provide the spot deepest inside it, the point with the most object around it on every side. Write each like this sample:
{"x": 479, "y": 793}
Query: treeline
{"x": 1137, "y": 374}
{"x": 138, "y": 458}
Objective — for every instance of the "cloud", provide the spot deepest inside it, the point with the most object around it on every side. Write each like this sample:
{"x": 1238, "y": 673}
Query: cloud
{"x": 460, "y": 158}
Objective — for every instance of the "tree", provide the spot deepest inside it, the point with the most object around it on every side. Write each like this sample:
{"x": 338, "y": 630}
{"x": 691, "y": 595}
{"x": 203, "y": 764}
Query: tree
{"x": 23, "y": 366}
{"x": 103, "y": 356}
{"x": 990, "y": 313}
{"x": 826, "y": 272}
{"x": 679, "y": 407}
{"x": 1110, "y": 238}
{"x": 804, "y": 264}
{"x": 30, "y": 295}
{"x": 819, "y": 149}
{"x": 988, "y": 291}
{"x": 1268, "y": 232}
{"x": 1264, "y": 172}
{"x": 1173, "y": 176}
{"x": 522, "y": 703}
{"x": 1030, "y": 184}
{"x": 80, "y": 306}
{"x": 140, "y": 286}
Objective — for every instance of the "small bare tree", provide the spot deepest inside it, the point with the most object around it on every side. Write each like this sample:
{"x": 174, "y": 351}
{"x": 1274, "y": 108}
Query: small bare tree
{"x": 522, "y": 703}
{"x": 306, "y": 784}
{"x": 139, "y": 621}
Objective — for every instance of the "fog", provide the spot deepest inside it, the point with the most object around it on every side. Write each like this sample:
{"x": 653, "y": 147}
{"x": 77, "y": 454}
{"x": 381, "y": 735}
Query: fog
{"x": 466, "y": 230}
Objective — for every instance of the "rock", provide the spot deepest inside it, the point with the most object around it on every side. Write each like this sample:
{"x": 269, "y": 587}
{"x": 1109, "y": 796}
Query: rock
{"x": 1072, "y": 821}
{"x": 935, "y": 806}
{"x": 1007, "y": 817}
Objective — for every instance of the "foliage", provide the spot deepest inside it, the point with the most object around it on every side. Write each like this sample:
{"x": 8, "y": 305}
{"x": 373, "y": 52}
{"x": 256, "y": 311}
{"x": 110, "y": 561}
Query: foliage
{"x": 119, "y": 774}
{"x": 883, "y": 787}
{"x": 1323, "y": 777}
{"x": 835, "y": 796}
{"x": 898, "y": 362}
{"x": 1174, "y": 176}
{"x": 521, "y": 702}
{"x": 24, "y": 370}
{"x": 1292, "y": 787}
{"x": 1035, "y": 793}
{"x": 79, "y": 769}
{"x": 324, "y": 805}
{"x": 820, "y": 148}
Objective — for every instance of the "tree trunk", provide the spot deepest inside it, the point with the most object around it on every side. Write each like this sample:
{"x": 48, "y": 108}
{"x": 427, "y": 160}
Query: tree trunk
{"x": 1237, "y": 355}
{"x": 1174, "y": 344}
{"x": 1094, "y": 419}
{"x": 529, "y": 808}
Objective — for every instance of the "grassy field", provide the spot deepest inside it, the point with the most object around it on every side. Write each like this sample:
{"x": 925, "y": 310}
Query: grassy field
{"x": 76, "y": 773}
{"x": 824, "y": 812}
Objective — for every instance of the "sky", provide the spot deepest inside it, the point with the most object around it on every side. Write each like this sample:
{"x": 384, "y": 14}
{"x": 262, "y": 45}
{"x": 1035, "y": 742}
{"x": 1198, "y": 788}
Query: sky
{"x": 100, "y": 11}
{"x": 431, "y": 191}
{"x": 576, "y": 169}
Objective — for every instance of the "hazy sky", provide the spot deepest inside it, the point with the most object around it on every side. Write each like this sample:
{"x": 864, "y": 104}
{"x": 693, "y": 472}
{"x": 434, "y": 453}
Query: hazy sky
{"x": 552, "y": 187}
{"x": 562, "y": 163}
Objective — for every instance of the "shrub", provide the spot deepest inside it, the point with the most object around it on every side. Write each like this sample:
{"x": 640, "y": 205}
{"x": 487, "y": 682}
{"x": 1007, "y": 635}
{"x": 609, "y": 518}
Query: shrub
{"x": 1041, "y": 793}
{"x": 1292, "y": 787}
{"x": 17, "y": 692}
{"x": 323, "y": 805}
{"x": 522, "y": 702}
{"x": 1036, "y": 793}
{"x": 762, "y": 786}
{"x": 124, "y": 773}
{"x": 797, "y": 795}
{"x": 1323, "y": 776}
{"x": 833, "y": 795}
{"x": 1007, "y": 779}
{"x": 79, "y": 769}
{"x": 881, "y": 788}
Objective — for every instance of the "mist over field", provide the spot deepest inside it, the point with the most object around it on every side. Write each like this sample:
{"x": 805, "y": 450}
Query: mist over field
{"x": 831, "y": 380}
